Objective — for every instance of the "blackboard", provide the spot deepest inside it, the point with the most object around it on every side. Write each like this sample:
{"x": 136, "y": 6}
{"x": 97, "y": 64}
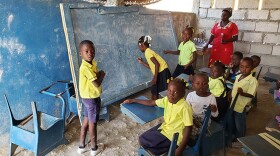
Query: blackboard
{"x": 115, "y": 32}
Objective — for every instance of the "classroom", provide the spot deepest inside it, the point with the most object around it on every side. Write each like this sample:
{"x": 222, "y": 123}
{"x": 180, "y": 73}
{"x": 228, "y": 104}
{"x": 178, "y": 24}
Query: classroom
{"x": 41, "y": 52}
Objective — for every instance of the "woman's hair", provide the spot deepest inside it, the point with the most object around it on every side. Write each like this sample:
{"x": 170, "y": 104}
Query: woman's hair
{"x": 146, "y": 40}
{"x": 220, "y": 66}
{"x": 86, "y": 42}
{"x": 238, "y": 54}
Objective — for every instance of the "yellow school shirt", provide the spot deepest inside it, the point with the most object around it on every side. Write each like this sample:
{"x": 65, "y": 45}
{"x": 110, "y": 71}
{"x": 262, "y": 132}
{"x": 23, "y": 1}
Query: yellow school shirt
{"x": 176, "y": 117}
{"x": 186, "y": 52}
{"x": 254, "y": 71}
{"x": 216, "y": 86}
{"x": 162, "y": 64}
{"x": 87, "y": 75}
{"x": 249, "y": 85}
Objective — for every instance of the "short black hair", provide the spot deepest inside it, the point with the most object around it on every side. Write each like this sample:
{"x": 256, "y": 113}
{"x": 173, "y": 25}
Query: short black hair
{"x": 220, "y": 66}
{"x": 86, "y": 42}
{"x": 238, "y": 54}
{"x": 248, "y": 59}
{"x": 201, "y": 75}
{"x": 256, "y": 57}
{"x": 189, "y": 29}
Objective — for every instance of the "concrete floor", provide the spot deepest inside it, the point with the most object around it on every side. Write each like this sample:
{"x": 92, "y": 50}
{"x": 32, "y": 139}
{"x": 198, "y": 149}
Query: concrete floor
{"x": 121, "y": 133}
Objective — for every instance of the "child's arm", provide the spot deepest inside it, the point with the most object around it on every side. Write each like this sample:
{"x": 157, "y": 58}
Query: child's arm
{"x": 240, "y": 91}
{"x": 100, "y": 76}
{"x": 143, "y": 102}
{"x": 153, "y": 59}
{"x": 192, "y": 61}
{"x": 186, "y": 135}
{"x": 214, "y": 110}
{"x": 140, "y": 60}
{"x": 228, "y": 71}
{"x": 174, "y": 52}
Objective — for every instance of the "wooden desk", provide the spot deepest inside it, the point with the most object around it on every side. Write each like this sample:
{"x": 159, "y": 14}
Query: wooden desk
{"x": 256, "y": 145}
{"x": 273, "y": 126}
{"x": 205, "y": 56}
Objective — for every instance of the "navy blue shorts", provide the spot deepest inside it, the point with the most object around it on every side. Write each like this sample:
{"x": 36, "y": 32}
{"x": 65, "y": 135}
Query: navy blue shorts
{"x": 180, "y": 69}
{"x": 162, "y": 84}
{"x": 92, "y": 109}
{"x": 154, "y": 141}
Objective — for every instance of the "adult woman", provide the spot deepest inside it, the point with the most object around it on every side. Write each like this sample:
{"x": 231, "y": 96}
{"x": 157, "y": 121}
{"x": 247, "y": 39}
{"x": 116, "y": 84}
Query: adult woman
{"x": 223, "y": 34}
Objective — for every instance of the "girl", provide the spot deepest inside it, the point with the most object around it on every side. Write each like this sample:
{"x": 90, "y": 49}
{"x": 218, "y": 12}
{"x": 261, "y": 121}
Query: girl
{"x": 156, "y": 64}
{"x": 186, "y": 52}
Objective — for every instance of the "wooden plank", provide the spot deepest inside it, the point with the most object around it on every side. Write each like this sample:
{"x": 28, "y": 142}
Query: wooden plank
{"x": 141, "y": 113}
{"x": 258, "y": 146}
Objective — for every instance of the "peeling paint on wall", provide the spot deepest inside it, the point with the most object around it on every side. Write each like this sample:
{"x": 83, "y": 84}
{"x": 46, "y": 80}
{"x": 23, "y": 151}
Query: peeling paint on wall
{"x": 1, "y": 73}
{"x": 12, "y": 45}
{"x": 10, "y": 20}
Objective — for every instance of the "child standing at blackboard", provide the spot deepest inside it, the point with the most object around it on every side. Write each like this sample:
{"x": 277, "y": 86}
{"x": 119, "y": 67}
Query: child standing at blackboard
{"x": 90, "y": 80}
{"x": 186, "y": 52}
{"x": 156, "y": 64}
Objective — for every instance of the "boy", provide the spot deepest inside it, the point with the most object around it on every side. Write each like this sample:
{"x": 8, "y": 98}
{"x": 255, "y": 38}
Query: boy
{"x": 177, "y": 118}
{"x": 218, "y": 89}
{"x": 90, "y": 80}
{"x": 233, "y": 68}
{"x": 256, "y": 62}
{"x": 186, "y": 52}
{"x": 246, "y": 85}
{"x": 200, "y": 98}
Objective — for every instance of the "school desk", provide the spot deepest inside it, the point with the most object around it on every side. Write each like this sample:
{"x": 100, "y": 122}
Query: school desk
{"x": 141, "y": 113}
{"x": 259, "y": 146}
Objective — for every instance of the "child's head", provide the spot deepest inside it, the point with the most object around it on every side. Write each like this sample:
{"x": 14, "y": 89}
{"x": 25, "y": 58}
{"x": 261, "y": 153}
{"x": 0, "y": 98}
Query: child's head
{"x": 236, "y": 58}
{"x": 246, "y": 66}
{"x": 200, "y": 83}
{"x": 187, "y": 33}
{"x": 176, "y": 90}
{"x": 87, "y": 50}
{"x": 256, "y": 60}
{"x": 217, "y": 70}
{"x": 144, "y": 42}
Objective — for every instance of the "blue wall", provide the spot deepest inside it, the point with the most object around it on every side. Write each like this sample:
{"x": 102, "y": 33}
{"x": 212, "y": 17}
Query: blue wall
{"x": 33, "y": 54}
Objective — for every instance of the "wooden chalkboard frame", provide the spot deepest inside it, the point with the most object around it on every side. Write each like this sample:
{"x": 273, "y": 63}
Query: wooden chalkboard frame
{"x": 73, "y": 55}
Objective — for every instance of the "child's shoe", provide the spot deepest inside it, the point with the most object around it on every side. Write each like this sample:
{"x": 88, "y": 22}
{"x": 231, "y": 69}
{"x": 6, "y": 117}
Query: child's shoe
{"x": 99, "y": 149}
{"x": 81, "y": 150}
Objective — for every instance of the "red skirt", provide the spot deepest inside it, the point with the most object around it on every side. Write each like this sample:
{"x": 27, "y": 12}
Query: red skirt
{"x": 222, "y": 52}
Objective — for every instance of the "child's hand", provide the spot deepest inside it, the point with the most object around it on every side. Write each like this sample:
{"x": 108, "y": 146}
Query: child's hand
{"x": 128, "y": 101}
{"x": 230, "y": 66}
{"x": 165, "y": 52}
{"x": 213, "y": 108}
{"x": 140, "y": 60}
{"x": 240, "y": 91}
{"x": 101, "y": 73}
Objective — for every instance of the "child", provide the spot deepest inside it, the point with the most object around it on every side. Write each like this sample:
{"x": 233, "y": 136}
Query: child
{"x": 156, "y": 64}
{"x": 200, "y": 98}
{"x": 186, "y": 52}
{"x": 177, "y": 118}
{"x": 233, "y": 68}
{"x": 256, "y": 62}
{"x": 90, "y": 80}
{"x": 246, "y": 85}
{"x": 218, "y": 88}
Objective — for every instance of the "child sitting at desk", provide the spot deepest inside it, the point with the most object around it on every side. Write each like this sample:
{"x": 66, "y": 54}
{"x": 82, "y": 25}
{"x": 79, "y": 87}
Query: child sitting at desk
{"x": 246, "y": 85}
{"x": 233, "y": 68}
{"x": 256, "y": 62}
{"x": 156, "y": 64}
{"x": 177, "y": 118}
{"x": 218, "y": 88}
{"x": 200, "y": 98}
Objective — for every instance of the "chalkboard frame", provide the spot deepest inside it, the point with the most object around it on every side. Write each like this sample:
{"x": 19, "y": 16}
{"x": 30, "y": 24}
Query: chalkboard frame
{"x": 73, "y": 55}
